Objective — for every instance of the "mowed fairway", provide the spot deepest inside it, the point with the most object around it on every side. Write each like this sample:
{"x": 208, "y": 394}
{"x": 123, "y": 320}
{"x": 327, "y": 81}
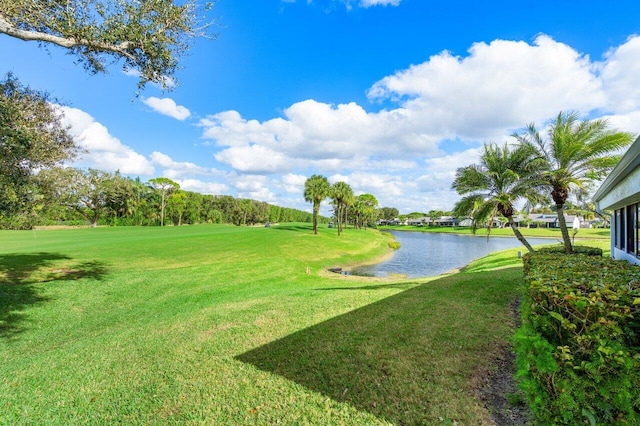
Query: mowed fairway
{"x": 223, "y": 325}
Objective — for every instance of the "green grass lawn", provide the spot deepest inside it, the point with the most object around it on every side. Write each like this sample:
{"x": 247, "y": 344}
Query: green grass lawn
{"x": 221, "y": 325}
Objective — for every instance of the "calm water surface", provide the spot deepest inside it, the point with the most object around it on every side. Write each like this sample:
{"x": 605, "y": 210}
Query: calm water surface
{"x": 424, "y": 254}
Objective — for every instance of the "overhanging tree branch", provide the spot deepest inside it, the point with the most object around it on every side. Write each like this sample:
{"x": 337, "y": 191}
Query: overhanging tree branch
{"x": 120, "y": 48}
{"x": 149, "y": 35}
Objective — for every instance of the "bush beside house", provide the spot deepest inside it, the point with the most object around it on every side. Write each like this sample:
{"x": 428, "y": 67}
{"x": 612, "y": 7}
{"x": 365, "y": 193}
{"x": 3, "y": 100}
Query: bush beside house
{"x": 579, "y": 344}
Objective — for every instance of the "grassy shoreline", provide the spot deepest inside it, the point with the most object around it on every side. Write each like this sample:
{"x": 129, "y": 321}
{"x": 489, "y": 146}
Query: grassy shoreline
{"x": 223, "y": 325}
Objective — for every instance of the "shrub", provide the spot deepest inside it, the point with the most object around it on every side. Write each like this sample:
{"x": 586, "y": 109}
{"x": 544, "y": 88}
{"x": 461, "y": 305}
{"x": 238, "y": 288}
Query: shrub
{"x": 579, "y": 343}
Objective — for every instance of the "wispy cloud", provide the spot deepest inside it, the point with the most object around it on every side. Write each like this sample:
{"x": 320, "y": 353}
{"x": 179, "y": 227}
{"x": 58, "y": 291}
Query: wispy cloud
{"x": 369, "y": 3}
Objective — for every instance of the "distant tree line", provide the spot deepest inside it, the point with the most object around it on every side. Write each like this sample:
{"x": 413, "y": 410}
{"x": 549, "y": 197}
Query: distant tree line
{"x": 35, "y": 188}
{"x": 76, "y": 196}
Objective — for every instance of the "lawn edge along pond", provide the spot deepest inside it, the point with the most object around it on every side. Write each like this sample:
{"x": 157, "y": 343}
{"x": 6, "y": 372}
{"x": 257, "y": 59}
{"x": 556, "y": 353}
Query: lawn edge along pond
{"x": 219, "y": 324}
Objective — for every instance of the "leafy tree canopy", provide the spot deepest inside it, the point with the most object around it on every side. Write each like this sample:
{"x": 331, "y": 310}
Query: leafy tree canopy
{"x": 32, "y": 138}
{"x": 389, "y": 213}
{"x": 501, "y": 178}
{"x": 149, "y": 35}
{"x": 316, "y": 189}
{"x": 577, "y": 154}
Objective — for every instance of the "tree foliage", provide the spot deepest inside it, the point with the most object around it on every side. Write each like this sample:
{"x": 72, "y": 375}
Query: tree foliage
{"x": 165, "y": 187}
{"x": 389, "y": 213}
{"x": 492, "y": 187}
{"x": 342, "y": 196}
{"x": 86, "y": 192}
{"x": 74, "y": 197}
{"x": 577, "y": 153}
{"x": 365, "y": 210}
{"x": 32, "y": 138}
{"x": 149, "y": 35}
{"x": 316, "y": 190}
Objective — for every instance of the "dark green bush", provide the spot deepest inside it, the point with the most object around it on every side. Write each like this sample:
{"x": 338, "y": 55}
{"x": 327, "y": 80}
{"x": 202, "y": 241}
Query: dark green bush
{"x": 579, "y": 343}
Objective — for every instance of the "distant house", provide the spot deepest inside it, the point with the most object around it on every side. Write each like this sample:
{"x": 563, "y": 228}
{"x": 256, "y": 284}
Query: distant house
{"x": 467, "y": 221}
{"x": 620, "y": 194}
{"x": 541, "y": 220}
{"x": 420, "y": 221}
{"x": 395, "y": 221}
{"x": 446, "y": 221}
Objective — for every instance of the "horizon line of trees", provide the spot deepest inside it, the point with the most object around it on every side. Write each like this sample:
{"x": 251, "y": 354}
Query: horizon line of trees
{"x": 76, "y": 196}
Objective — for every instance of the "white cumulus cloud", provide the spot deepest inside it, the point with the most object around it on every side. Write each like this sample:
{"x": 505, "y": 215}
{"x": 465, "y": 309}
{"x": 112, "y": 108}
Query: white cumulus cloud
{"x": 104, "y": 151}
{"x": 203, "y": 187}
{"x": 436, "y": 115}
{"x": 167, "y": 106}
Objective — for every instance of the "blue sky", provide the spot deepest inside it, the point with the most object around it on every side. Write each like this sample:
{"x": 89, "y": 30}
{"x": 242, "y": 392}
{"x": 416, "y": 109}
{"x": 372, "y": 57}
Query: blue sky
{"x": 390, "y": 96}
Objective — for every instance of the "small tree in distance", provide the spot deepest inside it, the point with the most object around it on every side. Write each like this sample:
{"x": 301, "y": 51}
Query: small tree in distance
{"x": 342, "y": 195}
{"x": 316, "y": 189}
{"x": 165, "y": 186}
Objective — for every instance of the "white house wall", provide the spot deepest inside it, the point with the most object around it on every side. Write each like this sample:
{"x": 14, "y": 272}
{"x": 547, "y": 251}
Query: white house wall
{"x": 618, "y": 254}
{"x": 624, "y": 193}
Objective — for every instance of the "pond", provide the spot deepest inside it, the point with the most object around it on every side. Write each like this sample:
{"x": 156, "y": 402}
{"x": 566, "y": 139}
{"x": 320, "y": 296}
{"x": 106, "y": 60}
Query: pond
{"x": 424, "y": 254}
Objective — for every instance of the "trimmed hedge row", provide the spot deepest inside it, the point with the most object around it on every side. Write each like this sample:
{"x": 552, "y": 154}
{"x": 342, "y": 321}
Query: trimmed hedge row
{"x": 579, "y": 344}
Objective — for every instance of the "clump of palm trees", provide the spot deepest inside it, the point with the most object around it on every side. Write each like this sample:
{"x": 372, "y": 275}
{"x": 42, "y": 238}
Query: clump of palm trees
{"x": 362, "y": 208}
{"x": 574, "y": 154}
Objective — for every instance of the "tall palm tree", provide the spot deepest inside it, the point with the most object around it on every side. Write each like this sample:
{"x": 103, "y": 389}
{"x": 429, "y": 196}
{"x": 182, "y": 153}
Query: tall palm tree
{"x": 577, "y": 153}
{"x": 341, "y": 193}
{"x": 316, "y": 189}
{"x": 502, "y": 178}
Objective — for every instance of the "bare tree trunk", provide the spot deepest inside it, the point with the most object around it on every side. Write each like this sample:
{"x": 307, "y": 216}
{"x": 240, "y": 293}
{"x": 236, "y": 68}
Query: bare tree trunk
{"x": 568, "y": 248}
{"x": 162, "y": 211}
{"x": 519, "y": 235}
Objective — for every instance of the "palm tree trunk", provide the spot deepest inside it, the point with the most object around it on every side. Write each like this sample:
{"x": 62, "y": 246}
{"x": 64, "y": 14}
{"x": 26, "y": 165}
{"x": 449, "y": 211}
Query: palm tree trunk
{"x": 339, "y": 219}
{"x": 568, "y": 248}
{"x": 519, "y": 235}
{"x": 316, "y": 210}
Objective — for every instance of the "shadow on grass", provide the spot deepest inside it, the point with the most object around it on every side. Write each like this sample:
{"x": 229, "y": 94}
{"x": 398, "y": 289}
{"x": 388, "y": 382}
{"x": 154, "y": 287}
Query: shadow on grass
{"x": 20, "y": 275}
{"x": 402, "y": 285}
{"x": 294, "y": 227}
{"x": 411, "y": 358}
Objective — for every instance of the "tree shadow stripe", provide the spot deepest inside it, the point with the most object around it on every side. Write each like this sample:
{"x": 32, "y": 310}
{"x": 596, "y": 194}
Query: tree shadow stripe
{"x": 398, "y": 358}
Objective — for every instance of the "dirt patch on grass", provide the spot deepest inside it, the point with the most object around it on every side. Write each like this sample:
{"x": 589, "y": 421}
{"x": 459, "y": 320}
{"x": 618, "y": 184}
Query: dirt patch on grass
{"x": 497, "y": 387}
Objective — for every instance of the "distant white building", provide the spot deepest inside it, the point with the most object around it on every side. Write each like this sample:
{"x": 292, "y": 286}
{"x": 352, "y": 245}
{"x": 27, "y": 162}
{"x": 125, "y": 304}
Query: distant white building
{"x": 620, "y": 194}
{"x": 446, "y": 221}
{"x": 551, "y": 220}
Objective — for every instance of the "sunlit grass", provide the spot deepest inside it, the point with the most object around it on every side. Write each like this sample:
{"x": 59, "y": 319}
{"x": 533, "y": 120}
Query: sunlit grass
{"x": 223, "y": 325}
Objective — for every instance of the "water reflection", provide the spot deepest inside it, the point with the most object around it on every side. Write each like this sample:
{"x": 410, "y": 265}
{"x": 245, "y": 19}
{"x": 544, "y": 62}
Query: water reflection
{"x": 423, "y": 254}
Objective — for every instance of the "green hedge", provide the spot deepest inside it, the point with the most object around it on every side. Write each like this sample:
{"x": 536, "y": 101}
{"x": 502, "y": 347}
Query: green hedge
{"x": 579, "y": 344}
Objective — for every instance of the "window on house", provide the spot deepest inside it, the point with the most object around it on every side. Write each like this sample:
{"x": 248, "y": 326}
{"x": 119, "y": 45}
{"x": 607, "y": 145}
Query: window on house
{"x": 631, "y": 229}
{"x": 637, "y": 230}
{"x": 619, "y": 229}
